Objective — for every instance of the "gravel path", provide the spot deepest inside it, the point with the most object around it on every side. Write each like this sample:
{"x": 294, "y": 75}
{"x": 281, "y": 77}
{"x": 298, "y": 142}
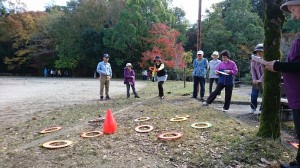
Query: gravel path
{"x": 20, "y": 97}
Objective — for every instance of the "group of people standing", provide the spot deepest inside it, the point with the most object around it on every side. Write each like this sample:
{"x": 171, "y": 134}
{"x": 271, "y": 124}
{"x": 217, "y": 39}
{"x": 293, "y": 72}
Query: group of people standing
{"x": 105, "y": 71}
{"x": 222, "y": 73}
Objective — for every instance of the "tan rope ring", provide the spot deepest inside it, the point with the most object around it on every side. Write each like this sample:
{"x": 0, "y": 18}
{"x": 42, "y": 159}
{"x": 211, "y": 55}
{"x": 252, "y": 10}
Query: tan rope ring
{"x": 142, "y": 119}
{"x": 144, "y": 128}
{"x": 57, "y": 144}
{"x": 96, "y": 120}
{"x": 179, "y": 116}
{"x": 178, "y": 119}
{"x": 201, "y": 125}
{"x": 48, "y": 130}
{"x": 170, "y": 135}
{"x": 91, "y": 134}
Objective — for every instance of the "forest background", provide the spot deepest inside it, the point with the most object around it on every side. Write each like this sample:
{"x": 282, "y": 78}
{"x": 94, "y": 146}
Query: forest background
{"x": 74, "y": 37}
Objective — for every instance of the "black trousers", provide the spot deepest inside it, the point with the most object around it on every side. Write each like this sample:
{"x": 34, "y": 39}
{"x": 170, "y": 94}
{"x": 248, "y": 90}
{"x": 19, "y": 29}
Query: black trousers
{"x": 217, "y": 91}
{"x": 296, "y": 117}
{"x": 211, "y": 82}
{"x": 160, "y": 88}
{"x": 128, "y": 89}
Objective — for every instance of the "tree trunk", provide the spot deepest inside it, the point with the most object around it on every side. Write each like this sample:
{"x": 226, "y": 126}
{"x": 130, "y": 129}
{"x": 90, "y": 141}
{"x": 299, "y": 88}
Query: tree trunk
{"x": 270, "y": 120}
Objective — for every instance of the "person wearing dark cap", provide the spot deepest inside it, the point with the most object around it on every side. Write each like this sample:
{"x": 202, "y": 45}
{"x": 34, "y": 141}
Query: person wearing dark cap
{"x": 257, "y": 73}
{"x": 105, "y": 72}
{"x": 291, "y": 75}
{"x": 226, "y": 70}
{"x": 161, "y": 74}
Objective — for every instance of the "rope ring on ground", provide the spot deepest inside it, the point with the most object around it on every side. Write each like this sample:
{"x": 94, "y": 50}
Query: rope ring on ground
{"x": 91, "y": 134}
{"x": 201, "y": 125}
{"x": 144, "y": 128}
{"x": 178, "y": 119}
{"x": 142, "y": 119}
{"x": 170, "y": 135}
{"x": 48, "y": 130}
{"x": 152, "y": 68}
{"x": 295, "y": 144}
{"x": 57, "y": 144}
{"x": 96, "y": 120}
{"x": 179, "y": 116}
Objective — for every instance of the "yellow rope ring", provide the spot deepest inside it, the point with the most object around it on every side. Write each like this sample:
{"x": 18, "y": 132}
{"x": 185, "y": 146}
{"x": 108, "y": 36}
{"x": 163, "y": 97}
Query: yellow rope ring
{"x": 57, "y": 144}
{"x": 170, "y": 135}
{"x": 142, "y": 119}
{"x": 91, "y": 134}
{"x": 179, "y": 116}
{"x": 178, "y": 119}
{"x": 152, "y": 68}
{"x": 201, "y": 125}
{"x": 144, "y": 128}
{"x": 48, "y": 130}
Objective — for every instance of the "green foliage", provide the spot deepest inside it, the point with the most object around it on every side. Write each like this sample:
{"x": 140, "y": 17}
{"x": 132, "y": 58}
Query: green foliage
{"x": 291, "y": 25}
{"x": 234, "y": 27}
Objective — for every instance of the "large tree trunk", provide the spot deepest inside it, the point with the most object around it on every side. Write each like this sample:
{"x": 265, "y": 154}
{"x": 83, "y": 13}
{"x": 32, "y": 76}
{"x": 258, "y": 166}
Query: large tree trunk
{"x": 270, "y": 120}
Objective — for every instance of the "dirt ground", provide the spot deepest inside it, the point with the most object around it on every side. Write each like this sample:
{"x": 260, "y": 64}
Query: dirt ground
{"x": 29, "y": 100}
{"x": 20, "y": 98}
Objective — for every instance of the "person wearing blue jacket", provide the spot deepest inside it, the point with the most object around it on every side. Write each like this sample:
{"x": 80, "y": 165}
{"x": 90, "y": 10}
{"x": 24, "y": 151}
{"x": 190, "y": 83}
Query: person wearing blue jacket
{"x": 199, "y": 73}
{"x": 104, "y": 69}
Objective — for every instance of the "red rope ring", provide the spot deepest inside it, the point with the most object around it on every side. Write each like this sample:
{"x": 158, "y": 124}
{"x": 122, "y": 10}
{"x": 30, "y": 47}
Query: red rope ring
{"x": 87, "y": 134}
{"x": 48, "y": 130}
{"x": 170, "y": 135}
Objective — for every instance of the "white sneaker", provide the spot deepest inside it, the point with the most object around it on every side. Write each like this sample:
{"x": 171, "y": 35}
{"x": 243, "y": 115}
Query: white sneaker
{"x": 219, "y": 97}
{"x": 252, "y": 111}
{"x": 224, "y": 110}
{"x": 205, "y": 104}
{"x": 257, "y": 112}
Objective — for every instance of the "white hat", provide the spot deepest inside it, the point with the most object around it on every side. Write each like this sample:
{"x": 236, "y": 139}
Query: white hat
{"x": 215, "y": 53}
{"x": 128, "y": 64}
{"x": 284, "y": 7}
{"x": 200, "y": 52}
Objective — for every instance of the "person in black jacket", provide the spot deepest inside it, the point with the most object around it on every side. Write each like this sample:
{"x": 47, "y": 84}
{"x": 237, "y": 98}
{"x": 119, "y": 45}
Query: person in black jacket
{"x": 161, "y": 75}
{"x": 291, "y": 75}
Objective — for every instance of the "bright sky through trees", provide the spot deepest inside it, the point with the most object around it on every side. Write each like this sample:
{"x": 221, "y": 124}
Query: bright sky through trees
{"x": 189, "y": 6}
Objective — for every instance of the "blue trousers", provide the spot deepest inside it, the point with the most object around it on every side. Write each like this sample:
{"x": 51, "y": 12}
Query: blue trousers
{"x": 198, "y": 80}
{"x": 254, "y": 96}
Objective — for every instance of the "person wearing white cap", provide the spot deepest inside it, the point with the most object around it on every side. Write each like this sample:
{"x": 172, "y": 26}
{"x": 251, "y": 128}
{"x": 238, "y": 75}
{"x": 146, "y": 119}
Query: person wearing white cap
{"x": 200, "y": 65}
{"x": 291, "y": 75}
{"x": 213, "y": 77}
{"x": 129, "y": 80}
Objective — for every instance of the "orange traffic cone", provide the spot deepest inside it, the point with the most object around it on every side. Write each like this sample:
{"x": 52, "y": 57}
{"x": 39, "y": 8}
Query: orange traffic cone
{"x": 110, "y": 125}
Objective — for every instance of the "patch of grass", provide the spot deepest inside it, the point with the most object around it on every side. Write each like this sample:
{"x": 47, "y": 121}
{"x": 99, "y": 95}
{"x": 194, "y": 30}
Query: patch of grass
{"x": 228, "y": 142}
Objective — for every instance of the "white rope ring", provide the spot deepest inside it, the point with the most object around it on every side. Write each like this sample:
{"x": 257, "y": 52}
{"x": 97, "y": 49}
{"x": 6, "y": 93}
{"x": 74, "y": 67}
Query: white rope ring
{"x": 57, "y": 144}
{"x": 178, "y": 119}
{"x": 179, "y": 116}
{"x": 170, "y": 135}
{"x": 201, "y": 125}
{"x": 142, "y": 119}
{"x": 91, "y": 134}
{"x": 48, "y": 130}
{"x": 144, "y": 128}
